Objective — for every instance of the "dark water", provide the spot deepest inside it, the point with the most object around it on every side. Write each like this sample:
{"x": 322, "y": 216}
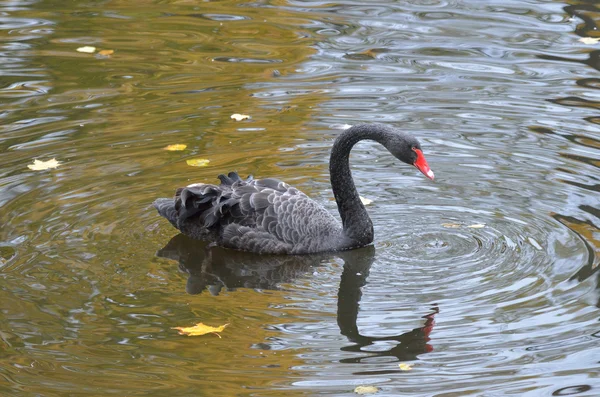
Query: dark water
{"x": 503, "y": 96}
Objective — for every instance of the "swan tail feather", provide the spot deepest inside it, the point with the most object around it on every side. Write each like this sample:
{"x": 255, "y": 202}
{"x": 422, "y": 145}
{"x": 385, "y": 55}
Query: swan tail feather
{"x": 218, "y": 205}
{"x": 233, "y": 177}
{"x": 166, "y": 209}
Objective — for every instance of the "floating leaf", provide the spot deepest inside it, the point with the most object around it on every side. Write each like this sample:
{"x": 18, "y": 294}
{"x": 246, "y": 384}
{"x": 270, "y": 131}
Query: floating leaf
{"x": 370, "y": 53}
{"x": 590, "y": 40}
{"x": 200, "y": 329}
{"x": 106, "y": 53}
{"x": 43, "y": 165}
{"x": 239, "y": 117}
{"x": 176, "y": 147}
{"x": 451, "y": 225}
{"x": 88, "y": 49}
{"x": 405, "y": 366}
{"x": 365, "y": 389}
{"x": 198, "y": 162}
{"x": 365, "y": 201}
{"x": 477, "y": 226}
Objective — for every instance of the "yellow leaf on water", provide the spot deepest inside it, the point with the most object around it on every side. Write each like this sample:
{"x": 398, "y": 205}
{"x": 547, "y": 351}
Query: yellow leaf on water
{"x": 176, "y": 147}
{"x": 88, "y": 49}
{"x": 200, "y": 329}
{"x": 405, "y": 366}
{"x": 477, "y": 226}
{"x": 365, "y": 389}
{"x": 365, "y": 201}
{"x": 43, "y": 165}
{"x": 590, "y": 40}
{"x": 198, "y": 162}
{"x": 239, "y": 117}
{"x": 451, "y": 225}
{"x": 106, "y": 52}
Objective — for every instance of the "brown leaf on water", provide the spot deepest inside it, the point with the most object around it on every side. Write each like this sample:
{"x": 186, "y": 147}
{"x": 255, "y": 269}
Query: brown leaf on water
{"x": 373, "y": 52}
{"x": 200, "y": 329}
{"x": 365, "y": 389}
{"x": 198, "y": 162}
{"x": 106, "y": 53}
{"x": 175, "y": 147}
{"x": 405, "y": 366}
{"x": 239, "y": 117}
{"x": 39, "y": 165}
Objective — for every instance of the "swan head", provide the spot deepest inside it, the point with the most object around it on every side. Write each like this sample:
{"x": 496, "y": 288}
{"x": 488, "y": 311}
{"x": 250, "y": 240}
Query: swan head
{"x": 408, "y": 150}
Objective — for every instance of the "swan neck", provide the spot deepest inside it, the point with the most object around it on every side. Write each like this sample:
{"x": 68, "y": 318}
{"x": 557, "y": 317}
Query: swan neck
{"x": 355, "y": 219}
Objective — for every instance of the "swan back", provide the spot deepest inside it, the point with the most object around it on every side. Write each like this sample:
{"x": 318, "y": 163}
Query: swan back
{"x": 257, "y": 215}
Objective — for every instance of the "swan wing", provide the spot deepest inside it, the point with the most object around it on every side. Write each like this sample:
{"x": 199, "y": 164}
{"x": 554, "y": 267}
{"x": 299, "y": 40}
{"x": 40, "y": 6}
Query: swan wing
{"x": 264, "y": 215}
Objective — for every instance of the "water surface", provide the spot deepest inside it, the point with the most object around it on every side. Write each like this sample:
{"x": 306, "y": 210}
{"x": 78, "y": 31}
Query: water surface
{"x": 485, "y": 281}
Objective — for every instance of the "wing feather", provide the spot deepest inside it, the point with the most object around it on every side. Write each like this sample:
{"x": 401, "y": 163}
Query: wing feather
{"x": 263, "y": 215}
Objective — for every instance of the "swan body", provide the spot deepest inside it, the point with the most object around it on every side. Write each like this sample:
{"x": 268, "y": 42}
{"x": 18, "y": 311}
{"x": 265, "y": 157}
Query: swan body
{"x": 268, "y": 216}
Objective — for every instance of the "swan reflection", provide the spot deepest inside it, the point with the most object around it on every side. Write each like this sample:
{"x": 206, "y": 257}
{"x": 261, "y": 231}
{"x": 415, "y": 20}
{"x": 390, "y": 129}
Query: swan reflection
{"x": 216, "y": 269}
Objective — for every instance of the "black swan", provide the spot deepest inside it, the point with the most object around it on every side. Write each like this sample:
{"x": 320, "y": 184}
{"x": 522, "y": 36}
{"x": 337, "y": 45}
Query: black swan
{"x": 267, "y": 216}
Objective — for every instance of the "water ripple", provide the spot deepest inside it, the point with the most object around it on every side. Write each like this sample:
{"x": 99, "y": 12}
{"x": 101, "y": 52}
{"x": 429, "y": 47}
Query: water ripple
{"x": 486, "y": 280}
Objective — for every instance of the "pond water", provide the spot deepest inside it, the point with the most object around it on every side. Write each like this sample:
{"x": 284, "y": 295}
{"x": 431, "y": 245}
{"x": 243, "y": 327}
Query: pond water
{"x": 484, "y": 282}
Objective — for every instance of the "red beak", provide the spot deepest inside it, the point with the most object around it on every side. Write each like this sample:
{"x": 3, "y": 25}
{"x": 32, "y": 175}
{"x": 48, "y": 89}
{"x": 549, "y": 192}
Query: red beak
{"x": 422, "y": 165}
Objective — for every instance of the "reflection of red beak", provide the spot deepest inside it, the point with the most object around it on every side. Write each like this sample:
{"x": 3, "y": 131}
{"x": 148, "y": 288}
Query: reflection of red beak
{"x": 422, "y": 165}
